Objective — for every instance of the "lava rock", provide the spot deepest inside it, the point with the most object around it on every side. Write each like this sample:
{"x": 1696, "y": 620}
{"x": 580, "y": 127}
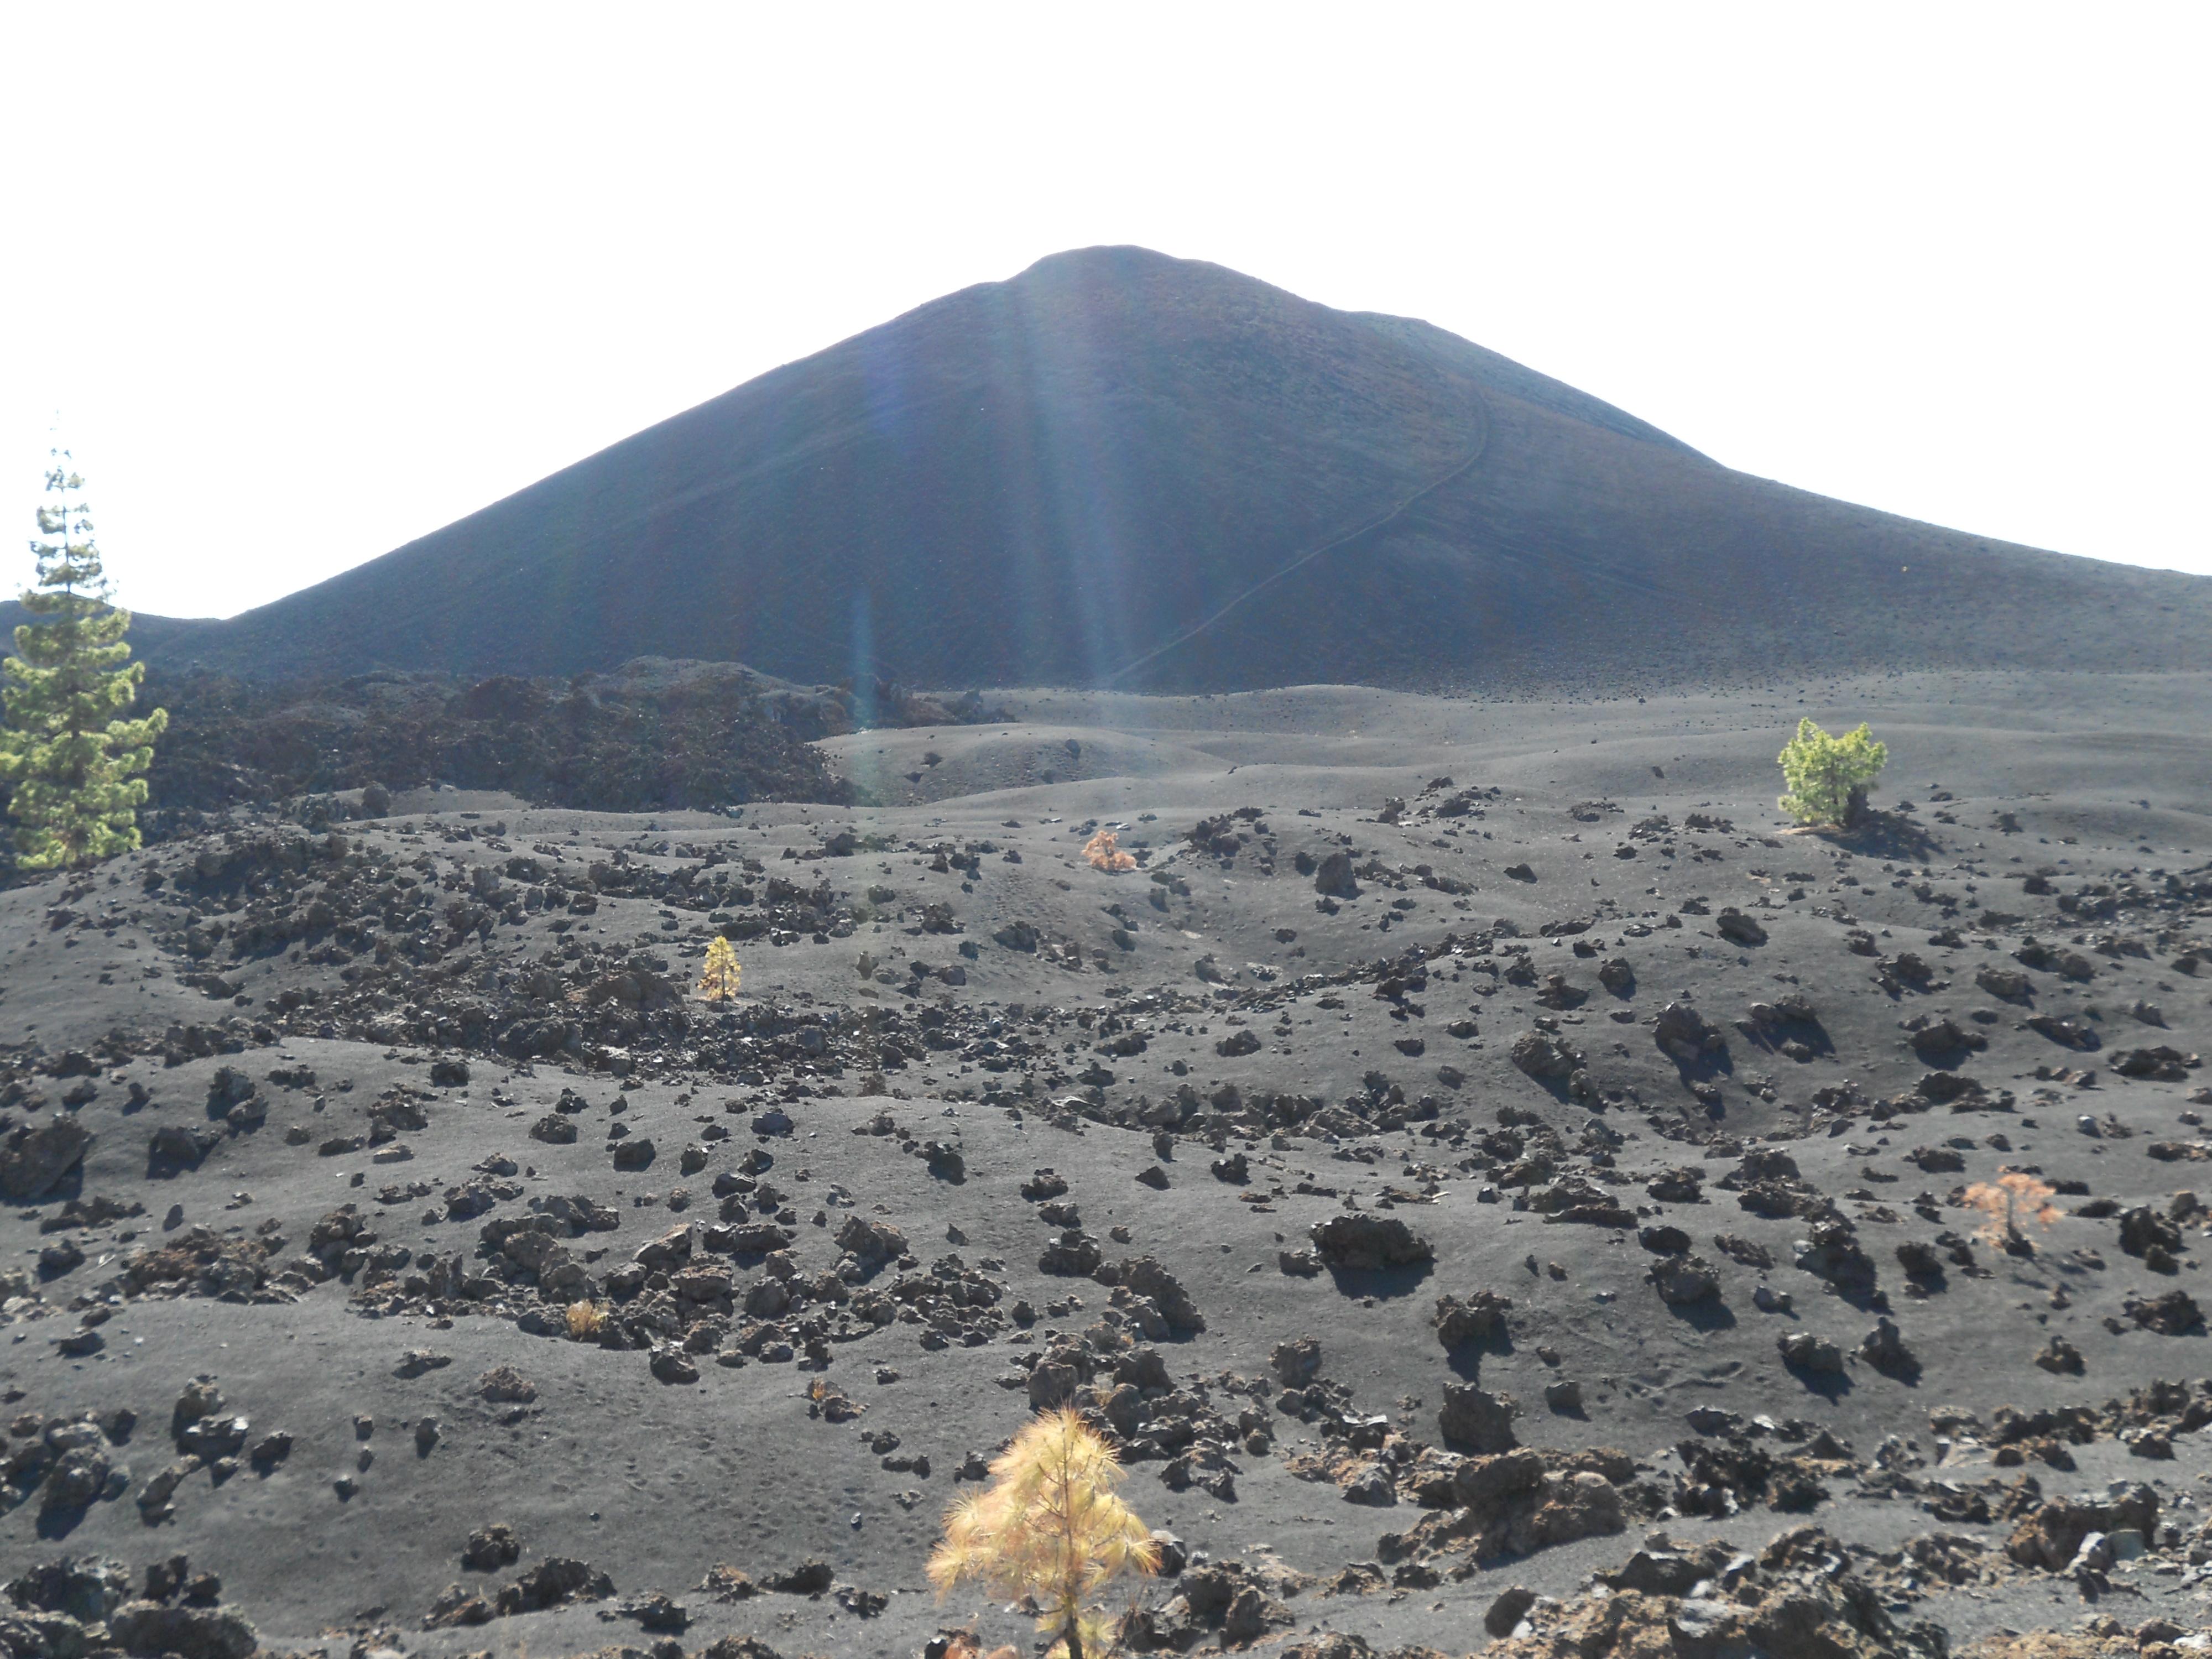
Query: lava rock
{"x": 1738, "y": 928}
{"x": 36, "y": 1157}
{"x": 1804, "y": 1351}
{"x": 1357, "y": 1242}
{"x": 1544, "y": 1056}
{"x": 1475, "y": 1319}
{"x": 1477, "y": 1418}
{"x": 1296, "y": 1363}
{"x": 489, "y": 1548}
{"x": 1685, "y": 1281}
{"x": 1885, "y": 1350}
{"x": 188, "y": 1633}
{"x": 1686, "y": 1035}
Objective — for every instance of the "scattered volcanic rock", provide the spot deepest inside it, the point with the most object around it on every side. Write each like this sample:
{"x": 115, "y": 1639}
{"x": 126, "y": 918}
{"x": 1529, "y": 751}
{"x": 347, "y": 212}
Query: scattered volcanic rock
{"x": 380, "y": 1194}
{"x": 1802, "y": 1597}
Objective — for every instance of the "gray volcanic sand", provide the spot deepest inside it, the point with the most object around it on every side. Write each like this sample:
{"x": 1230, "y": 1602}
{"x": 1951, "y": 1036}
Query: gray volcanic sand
{"x": 2108, "y": 779}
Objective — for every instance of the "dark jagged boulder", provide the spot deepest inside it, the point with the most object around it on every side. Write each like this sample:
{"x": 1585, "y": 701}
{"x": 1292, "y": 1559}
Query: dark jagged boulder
{"x": 1361, "y": 1242}
{"x": 38, "y": 1156}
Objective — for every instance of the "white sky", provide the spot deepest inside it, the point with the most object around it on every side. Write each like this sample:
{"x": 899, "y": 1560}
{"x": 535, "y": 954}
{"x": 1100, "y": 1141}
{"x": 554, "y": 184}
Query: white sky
{"x": 305, "y": 282}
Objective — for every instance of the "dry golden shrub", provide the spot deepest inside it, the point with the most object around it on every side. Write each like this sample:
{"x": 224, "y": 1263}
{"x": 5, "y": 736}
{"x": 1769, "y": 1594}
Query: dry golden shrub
{"x": 1051, "y": 1526}
{"x": 2012, "y": 1202}
{"x": 1102, "y": 850}
{"x": 585, "y": 1320}
{"x": 719, "y": 981}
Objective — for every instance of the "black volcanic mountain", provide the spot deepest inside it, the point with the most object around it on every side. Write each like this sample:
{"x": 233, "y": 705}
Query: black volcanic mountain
{"x": 1122, "y": 468}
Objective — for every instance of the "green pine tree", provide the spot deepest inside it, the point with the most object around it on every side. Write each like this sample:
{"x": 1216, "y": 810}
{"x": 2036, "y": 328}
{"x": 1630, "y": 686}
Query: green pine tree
{"x": 72, "y": 759}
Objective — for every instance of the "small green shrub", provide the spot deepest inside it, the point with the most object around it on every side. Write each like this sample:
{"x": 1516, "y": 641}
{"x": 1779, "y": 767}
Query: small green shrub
{"x": 1828, "y": 777}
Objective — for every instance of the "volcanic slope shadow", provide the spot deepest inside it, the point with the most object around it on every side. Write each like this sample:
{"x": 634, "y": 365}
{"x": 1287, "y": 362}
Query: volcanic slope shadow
{"x": 1122, "y": 468}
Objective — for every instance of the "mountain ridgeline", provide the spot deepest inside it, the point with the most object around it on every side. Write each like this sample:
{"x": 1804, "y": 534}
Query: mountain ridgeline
{"x": 1123, "y": 468}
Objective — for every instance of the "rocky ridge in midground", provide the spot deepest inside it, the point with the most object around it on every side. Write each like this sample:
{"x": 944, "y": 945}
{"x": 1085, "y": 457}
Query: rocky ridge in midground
{"x": 651, "y": 734}
{"x": 1498, "y": 1187}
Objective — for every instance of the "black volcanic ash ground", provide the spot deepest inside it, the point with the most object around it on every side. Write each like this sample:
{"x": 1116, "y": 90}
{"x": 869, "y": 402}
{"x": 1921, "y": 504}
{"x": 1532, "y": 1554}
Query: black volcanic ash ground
{"x": 1430, "y": 1200}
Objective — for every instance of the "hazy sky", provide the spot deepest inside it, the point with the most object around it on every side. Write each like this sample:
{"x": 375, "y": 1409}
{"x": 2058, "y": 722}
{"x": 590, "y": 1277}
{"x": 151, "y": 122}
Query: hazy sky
{"x": 304, "y": 283}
